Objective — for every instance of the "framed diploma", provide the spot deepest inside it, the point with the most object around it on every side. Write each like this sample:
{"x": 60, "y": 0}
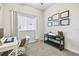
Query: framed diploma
{"x": 55, "y": 16}
{"x": 64, "y": 14}
{"x": 65, "y": 22}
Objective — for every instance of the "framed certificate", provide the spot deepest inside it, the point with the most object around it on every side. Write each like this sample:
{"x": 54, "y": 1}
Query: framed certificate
{"x": 55, "y": 16}
{"x": 64, "y": 14}
{"x": 65, "y": 22}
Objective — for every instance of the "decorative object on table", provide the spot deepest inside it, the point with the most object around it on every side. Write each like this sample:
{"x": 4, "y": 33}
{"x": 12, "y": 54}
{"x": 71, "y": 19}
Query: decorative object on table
{"x": 55, "y": 16}
{"x": 49, "y": 24}
{"x": 9, "y": 40}
{"x": 65, "y": 22}
{"x": 49, "y": 18}
{"x": 64, "y": 14}
{"x": 56, "y": 23}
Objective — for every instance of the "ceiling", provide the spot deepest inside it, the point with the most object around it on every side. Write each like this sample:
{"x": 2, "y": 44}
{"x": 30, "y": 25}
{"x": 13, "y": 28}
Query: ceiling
{"x": 38, "y": 6}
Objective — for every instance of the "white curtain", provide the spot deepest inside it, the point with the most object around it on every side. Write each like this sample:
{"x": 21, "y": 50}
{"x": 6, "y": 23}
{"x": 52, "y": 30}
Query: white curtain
{"x": 13, "y": 23}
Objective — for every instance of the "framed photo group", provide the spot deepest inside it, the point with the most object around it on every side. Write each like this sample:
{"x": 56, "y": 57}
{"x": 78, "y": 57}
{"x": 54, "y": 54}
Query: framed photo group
{"x": 59, "y": 19}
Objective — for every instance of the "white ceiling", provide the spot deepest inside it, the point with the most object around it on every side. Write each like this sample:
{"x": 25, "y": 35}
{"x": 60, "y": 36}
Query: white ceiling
{"x": 38, "y": 5}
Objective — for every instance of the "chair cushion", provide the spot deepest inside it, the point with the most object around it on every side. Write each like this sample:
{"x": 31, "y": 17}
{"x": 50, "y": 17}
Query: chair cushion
{"x": 21, "y": 50}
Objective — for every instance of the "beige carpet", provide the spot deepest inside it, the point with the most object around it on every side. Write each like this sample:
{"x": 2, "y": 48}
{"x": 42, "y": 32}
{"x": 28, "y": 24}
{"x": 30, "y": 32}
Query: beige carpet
{"x": 42, "y": 49}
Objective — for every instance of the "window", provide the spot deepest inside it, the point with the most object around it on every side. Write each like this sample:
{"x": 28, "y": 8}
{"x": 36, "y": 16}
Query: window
{"x": 26, "y": 22}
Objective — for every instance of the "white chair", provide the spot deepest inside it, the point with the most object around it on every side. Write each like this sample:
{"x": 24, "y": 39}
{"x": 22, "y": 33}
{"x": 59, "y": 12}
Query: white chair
{"x": 22, "y": 49}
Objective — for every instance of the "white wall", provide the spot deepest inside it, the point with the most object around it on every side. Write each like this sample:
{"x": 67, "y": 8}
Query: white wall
{"x": 22, "y": 9}
{"x": 1, "y": 11}
{"x": 71, "y": 32}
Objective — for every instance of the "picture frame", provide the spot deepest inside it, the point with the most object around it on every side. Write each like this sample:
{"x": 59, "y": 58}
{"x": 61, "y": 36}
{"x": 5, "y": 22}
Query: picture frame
{"x": 49, "y": 24}
{"x": 55, "y": 16}
{"x": 64, "y": 14}
{"x": 49, "y": 18}
{"x": 65, "y": 22}
{"x": 56, "y": 23}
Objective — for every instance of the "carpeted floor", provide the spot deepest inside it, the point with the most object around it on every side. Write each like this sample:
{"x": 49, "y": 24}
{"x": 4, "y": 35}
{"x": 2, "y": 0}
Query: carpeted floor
{"x": 42, "y": 49}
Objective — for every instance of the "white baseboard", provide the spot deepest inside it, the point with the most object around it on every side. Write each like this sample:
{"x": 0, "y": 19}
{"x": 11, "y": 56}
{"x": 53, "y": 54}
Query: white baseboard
{"x": 73, "y": 50}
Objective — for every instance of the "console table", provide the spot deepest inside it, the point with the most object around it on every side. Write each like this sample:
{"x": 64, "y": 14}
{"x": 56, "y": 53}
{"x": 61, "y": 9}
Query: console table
{"x": 54, "y": 40}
